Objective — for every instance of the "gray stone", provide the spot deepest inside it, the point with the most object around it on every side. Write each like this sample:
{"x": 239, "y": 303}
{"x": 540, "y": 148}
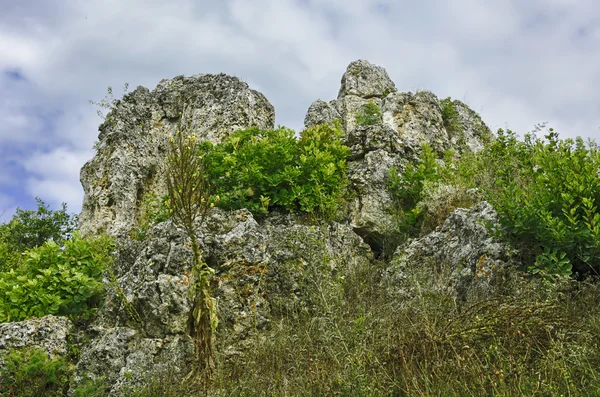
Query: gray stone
{"x": 408, "y": 121}
{"x": 474, "y": 133}
{"x": 49, "y": 333}
{"x": 366, "y": 80}
{"x": 133, "y": 142}
{"x": 461, "y": 255}
{"x": 417, "y": 118}
{"x": 321, "y": 112}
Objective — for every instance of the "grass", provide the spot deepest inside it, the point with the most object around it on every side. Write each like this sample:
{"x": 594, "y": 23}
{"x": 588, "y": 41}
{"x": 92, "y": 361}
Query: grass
{"x": 528, "y": 337}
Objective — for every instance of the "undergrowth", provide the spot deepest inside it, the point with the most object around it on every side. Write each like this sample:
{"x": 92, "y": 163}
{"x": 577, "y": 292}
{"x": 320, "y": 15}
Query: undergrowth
{"x": 529, "y": 337}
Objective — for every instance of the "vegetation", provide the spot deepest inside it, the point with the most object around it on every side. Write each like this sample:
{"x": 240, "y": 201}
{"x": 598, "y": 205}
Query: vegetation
{"x": 31, "y": 373}
{"x": 56, "y": 280}
{"x": 29, "y": 229}
{"x": 267, "y": 169}
{"x": 546, "y": 192}
{"x": 450, "y": 118}
{"x": 369, "y": 114}
{"x": 189, "y": 196}
{"x": 529, "y": 337}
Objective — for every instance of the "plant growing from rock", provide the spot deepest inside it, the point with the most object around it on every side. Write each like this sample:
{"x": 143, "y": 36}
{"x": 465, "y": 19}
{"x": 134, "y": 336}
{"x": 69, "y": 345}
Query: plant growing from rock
{"x": 109, "y": 103}
{"x": 368, "y": 114}
{"x": 189, "y": 199}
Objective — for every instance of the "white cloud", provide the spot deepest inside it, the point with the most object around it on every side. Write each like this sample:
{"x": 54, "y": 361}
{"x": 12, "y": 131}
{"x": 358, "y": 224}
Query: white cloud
{"x": 515, "y": 62}
{"x": 54, "y": 176}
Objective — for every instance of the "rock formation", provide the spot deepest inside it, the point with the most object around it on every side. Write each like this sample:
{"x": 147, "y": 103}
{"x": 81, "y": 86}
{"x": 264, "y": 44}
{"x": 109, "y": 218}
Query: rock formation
{"x": 408, "y": 121}
{"x": 133, "y": 142}
{"x": 264, "y": 269}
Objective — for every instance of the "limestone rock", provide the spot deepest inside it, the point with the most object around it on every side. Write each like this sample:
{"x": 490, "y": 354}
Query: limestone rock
{"x": 473, "y": 132}
{"x": 461, "y": 254}
{"x": 417, "y": 119}
{"x": 261, "y": 270}
{"x": 408, "y": 121}
{"x": 133, "y": 142}
{"x": 321, "y": 112}
{"x": 49, "y": 333}
{"x": 366, "y": 80}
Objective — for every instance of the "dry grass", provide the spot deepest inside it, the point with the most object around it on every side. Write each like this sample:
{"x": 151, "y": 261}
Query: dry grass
{"x": 530, "y": 338}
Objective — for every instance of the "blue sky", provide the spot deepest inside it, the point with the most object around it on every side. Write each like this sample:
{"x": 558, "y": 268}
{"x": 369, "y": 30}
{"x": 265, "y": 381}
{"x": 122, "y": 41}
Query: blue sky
{"x": 516, "y": 62}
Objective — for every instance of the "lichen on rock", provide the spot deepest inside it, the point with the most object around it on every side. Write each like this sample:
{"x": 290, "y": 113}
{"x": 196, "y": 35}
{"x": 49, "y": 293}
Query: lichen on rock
{"x": 133, "y": 142}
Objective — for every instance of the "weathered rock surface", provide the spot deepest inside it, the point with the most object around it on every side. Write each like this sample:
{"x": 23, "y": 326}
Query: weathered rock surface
{"x": 262, "y": 269}
{"x": 49, "y": 333}
{"x": 473, "y": 132}
{"x": 461, "y": 254}
{"x": 133, "y": 141}
{"x": 408, "y": 120}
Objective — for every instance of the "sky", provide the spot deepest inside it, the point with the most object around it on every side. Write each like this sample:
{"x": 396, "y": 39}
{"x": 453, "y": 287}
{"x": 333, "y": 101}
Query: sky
{"x": 518, "y": 63}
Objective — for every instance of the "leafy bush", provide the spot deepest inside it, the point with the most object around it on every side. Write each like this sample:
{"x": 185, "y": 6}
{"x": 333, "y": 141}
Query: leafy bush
{"x": 28, "y": 229}
{"x": 546, "y": 193}
{"x": 32, "y": 373}
{"x": 547, "y": 196}
{"x": 263, "y": 169}
{"x": 413, "y": 189}
{"x": 369, "y": 114}
{"x": 55, "y": 280}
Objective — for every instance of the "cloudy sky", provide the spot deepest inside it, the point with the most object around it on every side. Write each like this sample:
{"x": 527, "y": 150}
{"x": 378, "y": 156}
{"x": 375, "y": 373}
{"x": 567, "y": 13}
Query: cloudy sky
{"x": 517, "y": 63}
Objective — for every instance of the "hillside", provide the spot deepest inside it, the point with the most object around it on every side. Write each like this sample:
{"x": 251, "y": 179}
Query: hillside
{"x": 395, "y": 246}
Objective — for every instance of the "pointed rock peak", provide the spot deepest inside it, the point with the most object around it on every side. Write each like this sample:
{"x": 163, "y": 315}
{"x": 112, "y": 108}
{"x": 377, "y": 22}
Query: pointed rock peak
{"x": 366, "y": 80}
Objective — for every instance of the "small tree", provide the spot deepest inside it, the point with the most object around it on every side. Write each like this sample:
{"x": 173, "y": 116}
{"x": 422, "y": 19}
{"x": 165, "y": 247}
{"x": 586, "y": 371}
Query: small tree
{"x": 188, "y": 192}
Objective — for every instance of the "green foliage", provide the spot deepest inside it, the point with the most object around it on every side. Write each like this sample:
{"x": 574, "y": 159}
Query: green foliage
{"x": 546, "y": 192}
{"x": 547, "y": 195}
{"x": 450, "y": 118}
{"x": 55, "y": 280}
{"x": 368, "y": 114}
{"x": 29, "y": 229}
{"x": 155, "y": 210}
{"x": 264, "y": 169}
{"x": 408, "y": 189}
{"x": 31, "y": 373}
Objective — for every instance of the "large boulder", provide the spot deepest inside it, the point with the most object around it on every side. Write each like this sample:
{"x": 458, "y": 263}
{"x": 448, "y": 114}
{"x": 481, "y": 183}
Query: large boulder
{"x": 133, "y": 142}
{"x": 461, "y": 255}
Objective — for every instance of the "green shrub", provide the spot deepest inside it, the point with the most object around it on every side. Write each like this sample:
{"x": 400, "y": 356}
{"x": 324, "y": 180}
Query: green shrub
{"x": 450, "y": 118}
{"x": 369, "y": 114}
{"x": 32, "y": 373}
{"x": 409, "y": 189}
{"x": 55, "y": 280}
{"x": 547, "y": 196}
{"x": 264, "y": 169}
{"x": 28, "y": 229}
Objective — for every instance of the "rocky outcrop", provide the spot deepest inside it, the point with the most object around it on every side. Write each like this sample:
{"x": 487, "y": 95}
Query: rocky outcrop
{"x": 49, "y": 334}
{"x": 407, "y": 122}
{"x": 133, "y": 142}
{"x": 472, "y": 132}
{"x": 262, "y": 270}
{"x": 461, "y": 255}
